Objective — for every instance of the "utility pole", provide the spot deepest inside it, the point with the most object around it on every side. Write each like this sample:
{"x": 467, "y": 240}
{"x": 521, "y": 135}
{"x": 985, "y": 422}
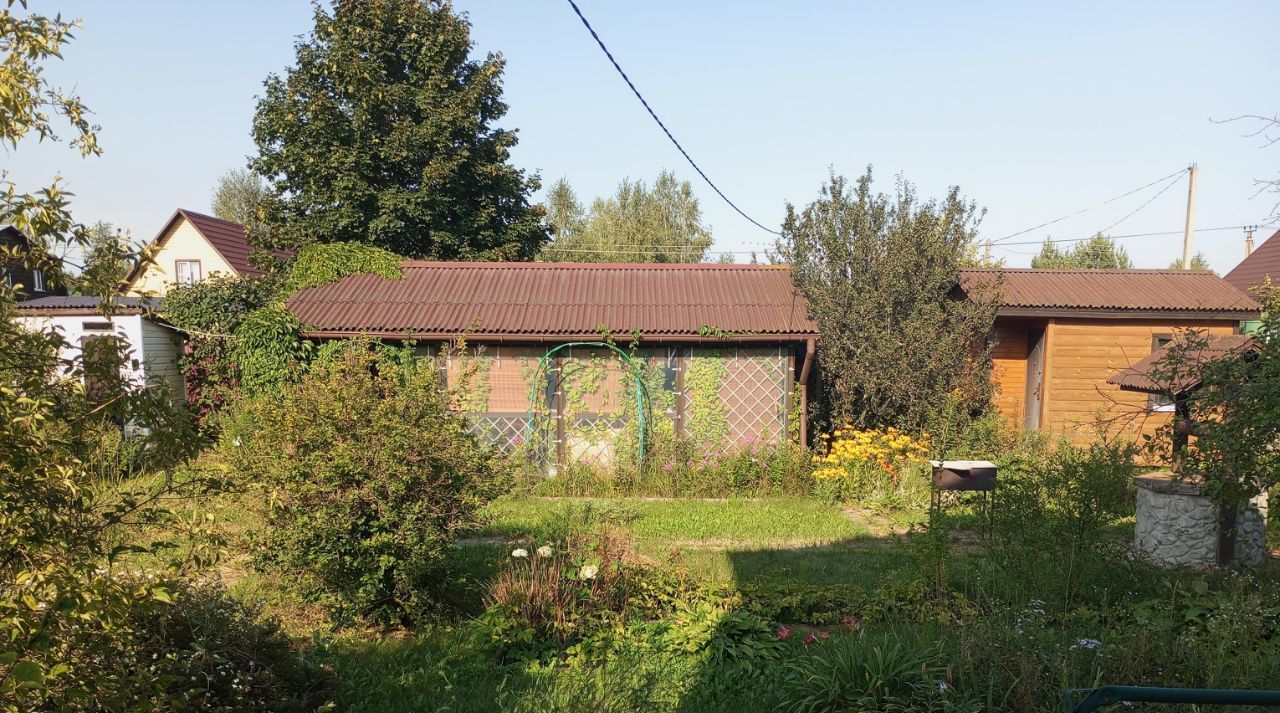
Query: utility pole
{"x": 1191, "y": 217}
{"x": 1248, "y": 239}
{"x": 986, "y": 255}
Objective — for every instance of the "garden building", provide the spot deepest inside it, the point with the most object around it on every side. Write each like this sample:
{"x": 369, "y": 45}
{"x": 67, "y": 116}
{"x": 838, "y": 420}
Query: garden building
{"x": 1061, "y": 334}
{"x": 556, "y": 353}
{"x": 190, "y": 247}
{"x": 151, "y": 346}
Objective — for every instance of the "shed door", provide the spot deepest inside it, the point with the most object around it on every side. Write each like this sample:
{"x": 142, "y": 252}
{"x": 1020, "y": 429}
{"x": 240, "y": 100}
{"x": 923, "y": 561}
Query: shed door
{"x": 1035, "y": 378}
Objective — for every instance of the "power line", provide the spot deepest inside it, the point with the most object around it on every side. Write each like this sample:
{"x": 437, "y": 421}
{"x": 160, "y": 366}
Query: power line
{"x": 663, "y": 126}
{"x": 1122, "y": 237}
{"x": 1148, "y": 202}
{"x": 1086, "y": 210}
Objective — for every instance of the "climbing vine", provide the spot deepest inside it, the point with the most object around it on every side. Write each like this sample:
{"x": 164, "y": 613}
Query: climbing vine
{"x": 707, "y": 422}
{"x": 326, "y": 263}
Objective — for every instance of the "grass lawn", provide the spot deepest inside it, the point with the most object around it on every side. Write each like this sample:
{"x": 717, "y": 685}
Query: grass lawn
{"x": 723, "y": 541}
{"x": 659, "y": 523}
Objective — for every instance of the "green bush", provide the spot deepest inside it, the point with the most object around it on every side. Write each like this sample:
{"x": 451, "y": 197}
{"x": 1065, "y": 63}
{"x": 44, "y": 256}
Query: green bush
{"x": 198, "y": 650}
{"x": 366, "y": 479}
{"x": 872, "y": 672}
{"x": 209, "y": 312}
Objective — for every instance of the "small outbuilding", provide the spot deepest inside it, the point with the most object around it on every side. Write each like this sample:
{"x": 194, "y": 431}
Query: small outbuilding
{"x": 724, "y": 351}
{"x": 1061, "y": 334}
{"x": 153, "y": 347}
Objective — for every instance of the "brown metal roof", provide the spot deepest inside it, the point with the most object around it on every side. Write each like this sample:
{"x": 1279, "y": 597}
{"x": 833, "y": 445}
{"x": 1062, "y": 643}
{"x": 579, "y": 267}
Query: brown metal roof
{"x": 1253, "y": 270}
{"x": 227, "y": 238}
{"x": 537, "y": 301}
{"x": 1139, "y": 377}
{"x": 1113, "y": 293}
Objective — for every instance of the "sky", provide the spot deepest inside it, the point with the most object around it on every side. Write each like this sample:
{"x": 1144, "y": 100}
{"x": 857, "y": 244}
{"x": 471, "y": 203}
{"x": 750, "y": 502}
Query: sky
{"x": 1035, "y": 110}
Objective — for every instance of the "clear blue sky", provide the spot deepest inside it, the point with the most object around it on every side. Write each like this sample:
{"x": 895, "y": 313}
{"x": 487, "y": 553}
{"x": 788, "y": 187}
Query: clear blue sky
{"x": 1034, "y": 109}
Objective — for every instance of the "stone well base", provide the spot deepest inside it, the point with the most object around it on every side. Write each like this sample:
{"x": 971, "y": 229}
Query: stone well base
{"x": 1178, "y": 525}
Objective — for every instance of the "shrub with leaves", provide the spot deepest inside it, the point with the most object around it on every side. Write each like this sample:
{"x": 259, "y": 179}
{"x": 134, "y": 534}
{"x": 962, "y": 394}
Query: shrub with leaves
{"x": 879, "y": 272}
{"x": 366, "y": 478}
{"x": 209, "y": 312}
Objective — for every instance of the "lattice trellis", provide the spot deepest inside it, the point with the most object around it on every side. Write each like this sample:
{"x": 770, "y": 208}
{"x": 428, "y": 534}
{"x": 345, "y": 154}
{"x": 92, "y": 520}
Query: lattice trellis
{"x": 505, "y": 432}
{"x": 754, "y": 393}
{"x": 751, "y": 395}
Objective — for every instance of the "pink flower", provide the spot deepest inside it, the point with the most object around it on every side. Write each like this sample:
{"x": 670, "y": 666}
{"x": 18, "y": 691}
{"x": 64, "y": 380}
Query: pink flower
{"x": 784, "y": 633}
{"x": 824, "y": 635}
{"x": 809, "y": 639}
{"x": 852, "y": 623}
{"x": 667, "y": 467}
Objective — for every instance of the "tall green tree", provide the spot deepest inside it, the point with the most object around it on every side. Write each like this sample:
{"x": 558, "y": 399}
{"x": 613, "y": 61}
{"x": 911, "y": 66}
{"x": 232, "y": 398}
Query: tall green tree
{"x": 1096, "y": 253}
{"x": 383, "y": 132}
{"x": 879, "y": 272}
{"x": 239, "y": 197}
{"x": 638, "y": 223}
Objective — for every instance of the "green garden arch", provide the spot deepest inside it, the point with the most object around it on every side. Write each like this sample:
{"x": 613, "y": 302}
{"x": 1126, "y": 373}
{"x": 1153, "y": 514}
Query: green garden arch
{"x": 640, "y": 391}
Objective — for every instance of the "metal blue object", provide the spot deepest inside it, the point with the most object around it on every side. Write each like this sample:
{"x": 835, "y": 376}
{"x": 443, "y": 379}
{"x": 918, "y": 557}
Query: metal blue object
{"x": 1095, "y": 698}
{"x": 641, "y": 393}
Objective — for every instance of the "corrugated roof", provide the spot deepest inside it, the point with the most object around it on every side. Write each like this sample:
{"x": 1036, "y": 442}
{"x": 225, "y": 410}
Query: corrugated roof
{"x": 227, "y": 237}
{"x": 1253, "y": 270}
{"x": 562, "y": 300}
{"x": 1191, "y": 292}
{"x": 1139, "y": 377}
{"x": 80, "y": 304}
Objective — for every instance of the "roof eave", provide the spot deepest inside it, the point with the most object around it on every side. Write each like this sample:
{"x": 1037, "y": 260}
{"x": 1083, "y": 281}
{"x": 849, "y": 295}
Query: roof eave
{"x": 1092, "y": 313}
{"x": 510, "y": 338}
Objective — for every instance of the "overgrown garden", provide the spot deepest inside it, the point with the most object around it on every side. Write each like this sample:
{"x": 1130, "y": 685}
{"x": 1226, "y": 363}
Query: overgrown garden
{"x": 317, "y": 526}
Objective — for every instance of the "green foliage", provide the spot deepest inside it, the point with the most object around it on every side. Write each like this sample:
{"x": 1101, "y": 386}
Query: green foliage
{"x": 879, "y": 273}
{"x": 239, "y": 197}
{"x": 1096, "y": 253}
{"x": 72, "y": 579}
{"x": 367, "y": 478}
{"x": 268, "y": 349}
{"x": 196, "y": 649}
{"x": 559, "y": 594}
{"x": 317, "y": 265}
{"x": 708, "y": 422}
{"x": 870, "y": 673}
{"x": 210, "y": 312}
{"x": 1236, "y": 408}
{"x": 1050, "y": 531}
{"x": 108, "y": 258}
{"x": 383, "y": 133}
{"x": 636, "y": 224}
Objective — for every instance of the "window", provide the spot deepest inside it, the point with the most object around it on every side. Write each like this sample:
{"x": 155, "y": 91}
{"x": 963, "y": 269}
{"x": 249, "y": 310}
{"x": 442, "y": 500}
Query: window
{"x": 187, "y": 271}
{"x": 1160, "y": 402}
{"x": 37, "y": 280}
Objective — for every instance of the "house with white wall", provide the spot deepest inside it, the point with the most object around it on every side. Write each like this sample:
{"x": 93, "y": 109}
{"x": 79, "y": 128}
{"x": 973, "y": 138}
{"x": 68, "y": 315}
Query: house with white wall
{"x": 151, "y": 346}
{"x": 191, "y": 247}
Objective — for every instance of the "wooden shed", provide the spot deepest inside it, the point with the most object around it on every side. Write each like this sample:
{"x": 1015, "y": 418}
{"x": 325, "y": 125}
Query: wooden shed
{"x": 1061, "y": 334}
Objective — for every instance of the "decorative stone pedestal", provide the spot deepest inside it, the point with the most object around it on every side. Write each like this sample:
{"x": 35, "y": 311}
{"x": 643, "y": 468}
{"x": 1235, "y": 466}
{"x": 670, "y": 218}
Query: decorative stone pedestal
{"x": 1178, "y": 525}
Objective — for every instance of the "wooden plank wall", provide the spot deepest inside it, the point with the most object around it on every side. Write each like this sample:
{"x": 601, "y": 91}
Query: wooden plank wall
{"x": 1083, "y": 354}
{"x": 1009, "y": 370}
